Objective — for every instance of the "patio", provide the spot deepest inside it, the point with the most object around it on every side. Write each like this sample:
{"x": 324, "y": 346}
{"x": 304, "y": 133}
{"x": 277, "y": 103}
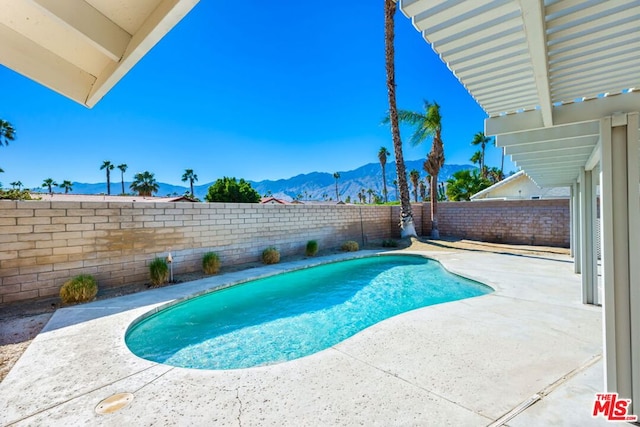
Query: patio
{"x": 480, "y": 361}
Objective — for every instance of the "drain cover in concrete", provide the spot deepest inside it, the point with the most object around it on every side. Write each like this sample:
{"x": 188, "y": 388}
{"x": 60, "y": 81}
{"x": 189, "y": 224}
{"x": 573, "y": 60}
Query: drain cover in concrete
{"x": 114, "y": 403}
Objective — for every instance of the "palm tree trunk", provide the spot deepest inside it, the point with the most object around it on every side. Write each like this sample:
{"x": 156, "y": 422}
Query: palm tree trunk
{"x": 108, "y": 182}
{"x": 435, "y": 234}
{"x": 407, "y": 227}
{"x": 191, "y": 182}
{"x": 384, "y": 184}
{"x": 122, "y": 180}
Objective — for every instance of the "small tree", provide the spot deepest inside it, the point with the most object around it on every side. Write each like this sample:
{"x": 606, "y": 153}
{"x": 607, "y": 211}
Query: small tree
{"x": 144, "y": 184}
{"x": 48, "y": 184}
{"x": 190, "y": 176}
{"x": 336, "y": 175}
{"x": 106, "y": 165}
{"x": 232, "y": 191}
{"x": 67, "y": 185}
{"x": 465, "y": 183}
{"x": 123, "y": 168}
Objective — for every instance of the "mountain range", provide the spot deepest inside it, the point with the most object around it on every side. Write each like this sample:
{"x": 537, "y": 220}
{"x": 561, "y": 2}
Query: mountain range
{"x": 310, "y": 186}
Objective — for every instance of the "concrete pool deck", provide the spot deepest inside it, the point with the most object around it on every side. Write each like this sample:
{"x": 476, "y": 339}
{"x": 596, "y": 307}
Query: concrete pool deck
{"x": 475, "y": 362}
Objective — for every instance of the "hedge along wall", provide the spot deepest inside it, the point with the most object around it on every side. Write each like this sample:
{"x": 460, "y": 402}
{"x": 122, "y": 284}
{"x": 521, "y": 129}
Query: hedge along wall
{"x": 45, "y": 243}
{"x": 528, "y": 222}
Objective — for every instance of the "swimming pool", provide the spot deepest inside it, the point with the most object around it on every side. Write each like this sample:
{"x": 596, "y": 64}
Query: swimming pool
{"x": 295, "y": 314}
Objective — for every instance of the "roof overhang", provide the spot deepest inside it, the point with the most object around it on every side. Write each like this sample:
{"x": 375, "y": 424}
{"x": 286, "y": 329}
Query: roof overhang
{"x": 545, "y": 72}
{"x": 82, "y": 48}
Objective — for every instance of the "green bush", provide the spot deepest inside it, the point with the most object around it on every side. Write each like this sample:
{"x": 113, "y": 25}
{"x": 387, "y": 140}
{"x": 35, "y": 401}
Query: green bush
{"x": 159, "y": 271}
{"x": 270, "y": 255}
{"x": 211, "y": 263}
{"x": 81, "y": 288}
{"x": 15, "y": 194}
{"x": 312, "y": 248}
{"x": 350, "y": 246}
{"x": 389, "y": 243}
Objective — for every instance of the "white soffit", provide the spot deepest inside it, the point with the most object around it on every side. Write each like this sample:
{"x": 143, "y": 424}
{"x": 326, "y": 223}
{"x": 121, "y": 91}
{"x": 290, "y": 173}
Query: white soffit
{"x": 545, "y": 72}
{"x": 82, "y": 48}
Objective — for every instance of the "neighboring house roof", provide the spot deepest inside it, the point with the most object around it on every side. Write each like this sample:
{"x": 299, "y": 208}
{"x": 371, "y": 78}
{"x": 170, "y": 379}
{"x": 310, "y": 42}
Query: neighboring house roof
{"x": 273, "y": 201}
{"x": 520, "y": 186}
{"x": 56, "y": 197}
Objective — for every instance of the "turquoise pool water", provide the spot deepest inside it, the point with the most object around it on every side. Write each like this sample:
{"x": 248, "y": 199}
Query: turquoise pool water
{"x": 294, "y": 314}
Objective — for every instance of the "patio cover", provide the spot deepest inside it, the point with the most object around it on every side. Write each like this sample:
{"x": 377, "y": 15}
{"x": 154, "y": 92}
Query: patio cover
{"x": 82, "y": 48}
{"x": 556, "y": 79}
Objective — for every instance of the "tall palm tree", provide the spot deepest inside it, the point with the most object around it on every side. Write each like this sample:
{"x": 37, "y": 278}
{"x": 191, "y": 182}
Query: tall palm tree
{"x": 16, "y": 184}
{"x": 495, "y": 142}
{"x": 67, "y": 185}
{"x": 190, "y": 176}
{"x": 395, "y": 184}
{"x": 123, "y": 168}
{"x": 144, "y": 184}
{"x": 477, "y": 158}
{"x": 407, "y": 227}
{"x": 480, "y": 139}
{"x": 336, "y": 175}
{"x": 382, "y": 156}
{"x": 108, "y": 167}
{"x": 429, "y": 124}
{"x": 7, "y": 132}
{"x": 414, "y": 176}
{"x": 48, "y": 183}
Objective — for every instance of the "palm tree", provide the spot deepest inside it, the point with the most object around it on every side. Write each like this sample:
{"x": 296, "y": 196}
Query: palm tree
{"x": 144, "y": 184}
{"x": 7, "y": 132}
{"x": 370, "y": 193}
{"x": 108, "y": 167}
{"x": 495, "y": 142}
{"x": 423, "y": 191}
{"x": 336, "y": 175}
{"x": 476, "y": 159}
{"x": 395, "y": 184}
{"x": 123, "y": 168}
{"x": 67, "y": 185}
{"x": 414, "y": 176}
{"x": 16, "y": 184}
{"x": 428, "y": 124}
{"x": 188, "y": 175}
{"x": 480, "y": 139}
{"x": 48, "y": 183}
{"x": 382, "y": 156}
{"x": 407, "y": 227}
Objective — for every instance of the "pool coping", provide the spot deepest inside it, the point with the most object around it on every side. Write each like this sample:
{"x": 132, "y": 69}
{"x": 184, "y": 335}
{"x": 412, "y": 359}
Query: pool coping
{"x": 41, "y": 367}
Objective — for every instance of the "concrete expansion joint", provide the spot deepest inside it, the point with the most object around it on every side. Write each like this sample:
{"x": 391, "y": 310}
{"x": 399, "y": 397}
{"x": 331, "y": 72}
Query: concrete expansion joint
{"x": 523, "y": 406}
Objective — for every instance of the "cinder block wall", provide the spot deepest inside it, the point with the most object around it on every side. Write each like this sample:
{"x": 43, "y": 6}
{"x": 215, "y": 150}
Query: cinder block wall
{"x": 528, "y": 222}
{"x": 45, "y": 243}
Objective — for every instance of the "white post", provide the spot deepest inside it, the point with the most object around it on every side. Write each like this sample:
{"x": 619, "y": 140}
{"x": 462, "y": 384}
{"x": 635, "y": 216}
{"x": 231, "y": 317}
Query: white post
{"x": 576, "y": 226}
{"x": 620, "y": 215}
{"x": 589, "y": 267}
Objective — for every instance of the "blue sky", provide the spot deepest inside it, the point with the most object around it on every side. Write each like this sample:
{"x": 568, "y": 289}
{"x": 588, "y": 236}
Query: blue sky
{"x": 259, "y": 90}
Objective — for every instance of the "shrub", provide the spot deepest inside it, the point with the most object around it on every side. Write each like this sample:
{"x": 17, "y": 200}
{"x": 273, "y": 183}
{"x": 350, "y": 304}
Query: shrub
{"x": 211, "y": 263}
{"x": 389, "y": 243}
{"x": 81, "y": 288}
{"x": 350, "y": 246}
{"x": 312, "y": 248}
{"x": 158, "y": 271}
{"x": 270, "y": 255}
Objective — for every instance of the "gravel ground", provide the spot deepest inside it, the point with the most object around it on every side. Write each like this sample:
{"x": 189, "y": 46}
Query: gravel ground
{"x": 21, "y": 322}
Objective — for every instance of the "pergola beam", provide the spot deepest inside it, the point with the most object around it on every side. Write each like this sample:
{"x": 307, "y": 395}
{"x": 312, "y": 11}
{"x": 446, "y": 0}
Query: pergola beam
{"x": 97, "y": 29}
{"x": 534, "y": 27}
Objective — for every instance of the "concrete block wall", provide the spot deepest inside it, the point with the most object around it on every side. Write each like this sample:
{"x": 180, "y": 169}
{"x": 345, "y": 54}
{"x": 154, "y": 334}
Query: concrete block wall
{"x": 528, "y": 222}
{"x": 42, "y": 244}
